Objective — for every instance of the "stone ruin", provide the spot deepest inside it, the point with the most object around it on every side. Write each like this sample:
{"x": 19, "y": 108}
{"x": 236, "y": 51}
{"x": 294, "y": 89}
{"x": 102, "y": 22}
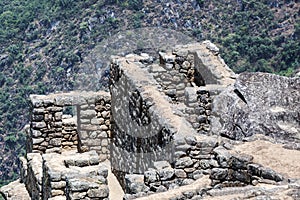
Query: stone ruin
{"x": 176, "y": 129}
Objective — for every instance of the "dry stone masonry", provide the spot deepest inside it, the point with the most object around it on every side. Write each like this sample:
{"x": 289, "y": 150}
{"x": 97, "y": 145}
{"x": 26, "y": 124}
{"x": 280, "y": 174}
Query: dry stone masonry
{"x": 161, "y": 129}
{"x": 84, "y": 125}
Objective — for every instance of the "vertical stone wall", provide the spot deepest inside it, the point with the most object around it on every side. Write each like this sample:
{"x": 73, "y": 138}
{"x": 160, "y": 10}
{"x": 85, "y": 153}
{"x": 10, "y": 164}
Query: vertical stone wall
{"x": 139, "y": 132}
{"x": 144, "y": 126}
{"x": 160, "y": 116}
{"x": 87, "y": 128}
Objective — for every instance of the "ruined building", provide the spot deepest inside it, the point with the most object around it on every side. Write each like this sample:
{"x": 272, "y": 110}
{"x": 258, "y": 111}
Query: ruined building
{"x": 185, "y": 127}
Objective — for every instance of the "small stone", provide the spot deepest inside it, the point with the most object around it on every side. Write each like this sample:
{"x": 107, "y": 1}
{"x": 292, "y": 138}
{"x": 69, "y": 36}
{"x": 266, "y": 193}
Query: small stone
{"x": 58, "y": 185}
{"x": 81, "y": 185}
{"x": 197, "y": 174}
{"x": 151, "y": 176}
{"x": 103, "y": 171}
{"x": 161, "y": 188}
{"x": 100, "y": 192}
{"x": 184, "y": 162}
{"x": 186, "y": 65}
{"x": 218, "y": 173}
{"x": 105, "y": 114}
{"x": 37, "y": 141}
{"x": 180, "y": 173}
{"x": 202, "y": 118}
{"x": 38, "y": 125}
{"x": 87, "y": 114}
{"x": 135, "y": 184}
{"x": 55, "y": 142}
{"x": 187, "y": 181}
{"x": 166, "y": 174}
{"x": 103, "y": 128}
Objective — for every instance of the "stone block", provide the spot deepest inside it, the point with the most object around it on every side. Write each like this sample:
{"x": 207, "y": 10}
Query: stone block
{"x": 36, "y": 133}
{"x": 100, "y": 192}
{"x": 166, "y": 174}
{"x": 183, "y": 162}
{"x": 54, "y": 109}
{"x": 87, "y": 114}
{"x": 180, "y": 173}
{"x": 55, "y": 142}
{"x": 151, "y": 177}
{"x": 103, "y": 128}
{"x": 37, "y": 141}
{"x": 135, "y": 184}
{"x": 81, "y": 185}
{"x": 38, "y": 125}
{"x": 37, "y": 118}
{"x": 219, "y": 174}
{"x": 57, "y": 192}
{"x": 89, "y": 127}
{"x": 38, "y": 111}
{"x": 58, "y": 185}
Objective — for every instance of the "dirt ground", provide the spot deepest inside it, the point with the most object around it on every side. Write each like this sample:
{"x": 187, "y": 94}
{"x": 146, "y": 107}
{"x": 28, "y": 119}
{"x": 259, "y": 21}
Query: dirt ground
{"x": 274, "y": 156}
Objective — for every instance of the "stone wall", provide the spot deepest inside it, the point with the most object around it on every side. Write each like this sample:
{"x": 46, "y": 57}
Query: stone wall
{"x": 68, "y": 175}
{"x": 160, "y": 116}
{"x": 198, "y": 157}
{"x": 76, "y": 120}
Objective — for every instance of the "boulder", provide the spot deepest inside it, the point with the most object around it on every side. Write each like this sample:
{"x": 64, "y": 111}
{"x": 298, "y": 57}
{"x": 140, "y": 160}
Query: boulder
{"x": 259, "y": 103}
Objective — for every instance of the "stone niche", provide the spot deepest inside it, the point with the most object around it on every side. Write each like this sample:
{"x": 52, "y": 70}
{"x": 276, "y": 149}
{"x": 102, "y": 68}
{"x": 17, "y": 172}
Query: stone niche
{"x": 75, "y": 120}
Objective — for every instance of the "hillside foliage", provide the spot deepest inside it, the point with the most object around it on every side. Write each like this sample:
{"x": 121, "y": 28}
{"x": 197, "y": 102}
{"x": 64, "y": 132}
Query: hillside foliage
{"x": 43, "y": 42}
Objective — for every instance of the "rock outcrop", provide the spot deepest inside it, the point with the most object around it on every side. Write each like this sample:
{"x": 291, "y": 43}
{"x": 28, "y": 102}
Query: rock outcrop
{"x": 259, "y": 103}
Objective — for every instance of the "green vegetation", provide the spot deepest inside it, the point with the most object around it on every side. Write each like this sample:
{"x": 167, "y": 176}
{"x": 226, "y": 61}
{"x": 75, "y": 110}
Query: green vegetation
{"x": 43, "y": 42}
{"x": 256, "y": 39}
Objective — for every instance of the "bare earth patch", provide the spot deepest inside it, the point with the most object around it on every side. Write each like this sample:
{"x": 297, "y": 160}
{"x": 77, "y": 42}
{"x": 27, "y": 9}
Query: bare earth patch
{"x": 274, "y": 156}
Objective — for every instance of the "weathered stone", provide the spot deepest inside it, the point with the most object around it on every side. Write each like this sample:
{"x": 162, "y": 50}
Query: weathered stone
{"x": 55, "y": 142}
{"x": 180, "y": 173}
{"x": 87, "y": 114}
{"x": 166, "y": 173}
{"x": 259, "y": 103}
{"x": 204, "y": 164}
{"x": 57, "y": 192}
{"x": 184, "y": 162}
{"x": 151, "y": 176}
{"x": 81, "y": 185}
{"x": 102, "y": 171}
{"x": 38, "y": 111}
{"x": 135, "y": 184}
{"x": 103, "y": 127}
{"x": 36, "y": 133}
{"x": 223, "y": 156}
{"x": 58, "y": 185}
{"x": 100, "y": 192}
{"x": 37, "y": 141}
{"x": 219, "y": 173}
{"x": 241, "y": 175}
{"x": 77, "y": 195}
{"x": 38, "y": 125}
{"x": 197, "y": 174}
